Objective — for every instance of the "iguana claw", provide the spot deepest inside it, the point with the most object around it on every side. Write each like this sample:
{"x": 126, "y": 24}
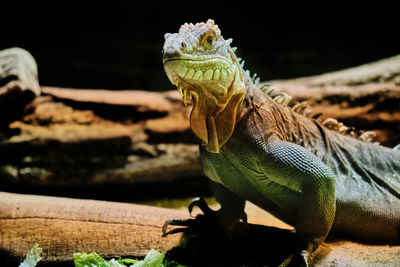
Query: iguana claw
{"x": 196, "y": 202}
{"x": 209, "y": 216}
{"x": 178, "y": 222}
{"x": 201, "y": 204}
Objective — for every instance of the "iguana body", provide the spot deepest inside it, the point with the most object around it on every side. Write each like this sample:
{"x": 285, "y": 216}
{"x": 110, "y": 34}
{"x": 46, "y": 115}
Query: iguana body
{"x": 313, "y": 178}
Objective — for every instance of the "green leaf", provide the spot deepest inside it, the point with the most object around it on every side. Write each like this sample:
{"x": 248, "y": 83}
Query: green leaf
{"x": 32, "y": 257}
{"x": 89, "y": 260}
{"x": 115, "y": 263}
{"x": 153, "y": 259}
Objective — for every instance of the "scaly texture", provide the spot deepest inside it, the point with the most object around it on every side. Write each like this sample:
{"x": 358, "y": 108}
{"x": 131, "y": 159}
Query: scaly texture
{"x": 261, "y": 150}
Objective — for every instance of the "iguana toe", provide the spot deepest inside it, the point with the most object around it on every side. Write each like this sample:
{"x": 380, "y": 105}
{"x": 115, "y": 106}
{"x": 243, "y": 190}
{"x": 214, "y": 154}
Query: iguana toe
{"x": 201, "y": 204}
{"x": 177, "y": 222}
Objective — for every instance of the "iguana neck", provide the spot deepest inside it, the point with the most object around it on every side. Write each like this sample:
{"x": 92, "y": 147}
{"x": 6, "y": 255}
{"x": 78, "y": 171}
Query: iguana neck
{"x": 213, "y": 119}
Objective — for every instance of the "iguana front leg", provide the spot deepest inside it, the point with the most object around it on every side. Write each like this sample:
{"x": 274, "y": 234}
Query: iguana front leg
{"x": 232, "y": 206}
{"x": 296, "y": 168}
{"x": 231, "y": 212}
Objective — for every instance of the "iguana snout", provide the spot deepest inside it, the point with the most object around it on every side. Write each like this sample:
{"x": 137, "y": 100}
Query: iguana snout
{"x": 174, "y": 44}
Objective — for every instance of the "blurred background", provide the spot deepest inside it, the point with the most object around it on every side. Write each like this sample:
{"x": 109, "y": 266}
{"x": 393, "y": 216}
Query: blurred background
{"x": 117, "y": 44}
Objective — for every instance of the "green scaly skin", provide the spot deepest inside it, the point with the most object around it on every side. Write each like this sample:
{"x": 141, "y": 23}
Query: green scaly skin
{"x": 313, "y": 178}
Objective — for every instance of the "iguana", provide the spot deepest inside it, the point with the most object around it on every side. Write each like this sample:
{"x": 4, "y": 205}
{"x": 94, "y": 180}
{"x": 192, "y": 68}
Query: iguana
{"x": 259, "y": 149}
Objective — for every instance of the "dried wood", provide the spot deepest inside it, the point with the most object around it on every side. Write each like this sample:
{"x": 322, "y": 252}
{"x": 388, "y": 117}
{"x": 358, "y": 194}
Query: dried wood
{"x": 366, "y": 97}
{"x": 63, "y": 226}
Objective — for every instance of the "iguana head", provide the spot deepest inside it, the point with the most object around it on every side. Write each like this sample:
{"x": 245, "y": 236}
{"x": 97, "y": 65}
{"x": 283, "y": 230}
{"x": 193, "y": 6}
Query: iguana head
{"x": 207, "y": 73}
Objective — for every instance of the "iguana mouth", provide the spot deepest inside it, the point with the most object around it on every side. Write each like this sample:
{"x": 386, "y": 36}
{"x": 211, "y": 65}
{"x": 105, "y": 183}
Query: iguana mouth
{"x": 199, "y": 70}
{"x": 197, "y": 60}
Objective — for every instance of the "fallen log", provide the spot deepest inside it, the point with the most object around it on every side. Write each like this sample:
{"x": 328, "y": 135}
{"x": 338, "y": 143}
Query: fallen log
{"x": 82, "y": 137}
{"x": 366, "y": 97}
{"x": 63, "y": 226}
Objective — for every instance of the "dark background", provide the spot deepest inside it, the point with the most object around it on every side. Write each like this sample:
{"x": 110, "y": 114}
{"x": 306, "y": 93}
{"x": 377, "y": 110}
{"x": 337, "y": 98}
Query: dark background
{"x": 117, "y": 44}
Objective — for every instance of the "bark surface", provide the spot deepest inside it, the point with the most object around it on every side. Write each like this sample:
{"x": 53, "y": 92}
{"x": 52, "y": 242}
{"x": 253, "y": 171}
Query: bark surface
{"x": 63, "y": 226}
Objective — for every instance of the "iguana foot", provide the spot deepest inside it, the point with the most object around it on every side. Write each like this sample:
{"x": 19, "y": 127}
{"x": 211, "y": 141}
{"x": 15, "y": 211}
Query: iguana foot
{"x": 209, "y": 218}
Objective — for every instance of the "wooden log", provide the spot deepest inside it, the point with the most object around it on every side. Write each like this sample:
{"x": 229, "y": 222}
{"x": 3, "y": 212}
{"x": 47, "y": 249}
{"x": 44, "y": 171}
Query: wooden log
{"x": 82, "y": 137}
{"x": 143, "y": 101}
{"x": 366, "y": 97}
{"x": 63, "y": 226}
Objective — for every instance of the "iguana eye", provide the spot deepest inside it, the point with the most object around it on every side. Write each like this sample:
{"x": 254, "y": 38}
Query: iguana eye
{"x": 210, "y": 39}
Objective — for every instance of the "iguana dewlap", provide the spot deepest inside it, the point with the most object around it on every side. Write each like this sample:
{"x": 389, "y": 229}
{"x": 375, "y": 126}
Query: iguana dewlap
{"x": 256, "y": 149}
